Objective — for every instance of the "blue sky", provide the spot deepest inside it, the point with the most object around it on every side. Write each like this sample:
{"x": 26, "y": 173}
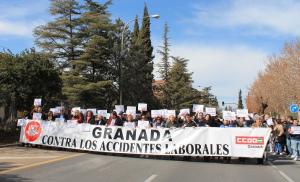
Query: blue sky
{"x": 227, "y": 41}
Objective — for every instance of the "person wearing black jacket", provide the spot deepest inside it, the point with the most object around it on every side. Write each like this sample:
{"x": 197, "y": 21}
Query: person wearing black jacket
{"x": 189, "y": 122}
{"x": 210, "y": 121}
{"x": 114, "y": 120}
{"x": 100, "y": 120}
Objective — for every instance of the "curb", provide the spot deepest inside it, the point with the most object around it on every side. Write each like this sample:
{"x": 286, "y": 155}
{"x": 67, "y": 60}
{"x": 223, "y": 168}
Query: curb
{"x": 10, "y": 145}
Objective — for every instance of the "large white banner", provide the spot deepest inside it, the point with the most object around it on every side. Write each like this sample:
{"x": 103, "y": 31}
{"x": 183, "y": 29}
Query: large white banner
{"x": 200, "y": 141}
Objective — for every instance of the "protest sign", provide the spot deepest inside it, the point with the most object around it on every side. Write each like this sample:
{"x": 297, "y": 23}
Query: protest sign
{"x": 210, "y": 110}
{"x": 201, "y": 141}
{"x": 228, "y": 115}
{"x": 37, "y": 102}
{"x": 21, "y": 122}
{"x": 156, "y": 113}
{"x": 242, "y": 113}
{"x": 143, "y": 124}
{"x": 295, "y": 130}
{"x": 184, "y": 112}
{"x": 142, "y": 107}
{"x": 131, "y": 110}
{"x": 102, "y": 112}
{"x": 119, "y": 108}
{"x": 198, "y": 108}
{"x": 171, "y": 113}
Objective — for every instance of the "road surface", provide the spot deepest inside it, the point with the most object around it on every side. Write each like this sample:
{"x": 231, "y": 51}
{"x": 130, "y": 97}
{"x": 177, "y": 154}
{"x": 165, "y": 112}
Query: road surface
{"x": 85, "y": 167}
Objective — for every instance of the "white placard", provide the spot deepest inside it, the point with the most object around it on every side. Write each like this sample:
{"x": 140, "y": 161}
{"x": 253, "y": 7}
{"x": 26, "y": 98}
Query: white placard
{"x": 184, "y": 111}
{"x": 119, "y": 108}
{"x": 102, "y": 113}
{"x": 107, "y": 116}
{"x": 54, "y": 110}
{"x": 295, "y": 130}
{"x": 270, "y": 122}
{"x": 227, "y": 115}
{"x": 94, "y": 111}
{"x": 242, "y": 112}
{"x": 131, "y": 110}
{"x": 211, "y": 110}
{"x": 142, "y": 106}
{"x": 143, "y": 124}
{"x": 37, "y": 116}
{"x": 171, "y": 113}
{"x": 155, "y": 113}
{"x": 37, "y": 102}
{"x": 21, "y": 122}
{"x": 198, "y": 108}
{"x": 83, "y": 111}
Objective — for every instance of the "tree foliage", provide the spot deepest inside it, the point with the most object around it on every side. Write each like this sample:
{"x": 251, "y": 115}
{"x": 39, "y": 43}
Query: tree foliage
{"x": 278, "y": 85}
{"x": 240, "y": 100}
{"x": 27, "y": 76}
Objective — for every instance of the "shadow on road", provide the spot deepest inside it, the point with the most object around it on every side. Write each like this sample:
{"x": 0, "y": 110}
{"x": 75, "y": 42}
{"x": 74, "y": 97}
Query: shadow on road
{"x": 13, "y": 178}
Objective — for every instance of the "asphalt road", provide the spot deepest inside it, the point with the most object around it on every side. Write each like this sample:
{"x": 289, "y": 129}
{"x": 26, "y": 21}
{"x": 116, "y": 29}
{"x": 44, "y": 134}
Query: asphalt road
{"x": 94, "y": 167}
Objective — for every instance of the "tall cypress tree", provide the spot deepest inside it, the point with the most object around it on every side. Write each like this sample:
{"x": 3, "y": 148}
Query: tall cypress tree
{"x": 145, "y": 66}
{"x": 59, "y": 38}
{"x": 240, "y": 100}
{"x": 164, "y": 64}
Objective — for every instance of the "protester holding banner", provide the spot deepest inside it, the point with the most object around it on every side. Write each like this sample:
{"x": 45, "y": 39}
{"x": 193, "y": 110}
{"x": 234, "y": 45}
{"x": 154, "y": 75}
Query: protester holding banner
{"x": 100, "y": 120}
{"x": 50, "y": 116}
{"x": 199, "y": 118}
{"x": 62, "y": 114}
{"x": 89, "y": 117}
{"x": 211, "y": 122}
{"x": 114, "y": 120}
{"x": 295, "y": 139}
{"x": 288, "y": 123}
{"x": 130, "y": 122}
{"x": 78, "y": 116}
{"x": 172, "y": 122}
{"x": 143, "y": 123}
{"x": 158, "y": 122}
{"x": 279, "y": 137}
{"x": 189, "y": 122}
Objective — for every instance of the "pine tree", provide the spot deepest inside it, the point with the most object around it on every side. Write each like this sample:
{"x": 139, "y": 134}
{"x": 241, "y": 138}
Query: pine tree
{"x": 179, "y": 85}
{"x": 240, "y": 100}
{"x": 59, "y": 38}
{"x": 95, "y": 29}
{"x": 90, "y": 84}
{"x": 164, "y": 64}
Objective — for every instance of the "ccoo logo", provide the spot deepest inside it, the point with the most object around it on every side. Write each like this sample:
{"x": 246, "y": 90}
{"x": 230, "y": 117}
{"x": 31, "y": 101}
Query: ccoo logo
{"x": 33, "y": 130}
{"x": 249, "y": 140}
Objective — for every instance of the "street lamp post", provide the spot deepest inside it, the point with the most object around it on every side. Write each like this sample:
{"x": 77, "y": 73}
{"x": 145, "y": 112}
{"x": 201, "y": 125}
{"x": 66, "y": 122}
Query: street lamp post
{"x": 156, "y": 16}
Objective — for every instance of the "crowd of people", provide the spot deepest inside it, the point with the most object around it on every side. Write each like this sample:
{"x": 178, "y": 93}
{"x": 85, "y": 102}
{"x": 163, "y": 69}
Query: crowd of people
{"x": 282, "y": 140}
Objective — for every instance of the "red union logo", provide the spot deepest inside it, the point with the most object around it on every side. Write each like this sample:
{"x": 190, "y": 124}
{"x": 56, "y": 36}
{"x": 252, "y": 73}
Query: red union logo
{"x": 249, "y": 140}
{"x": 32, "y": 131}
